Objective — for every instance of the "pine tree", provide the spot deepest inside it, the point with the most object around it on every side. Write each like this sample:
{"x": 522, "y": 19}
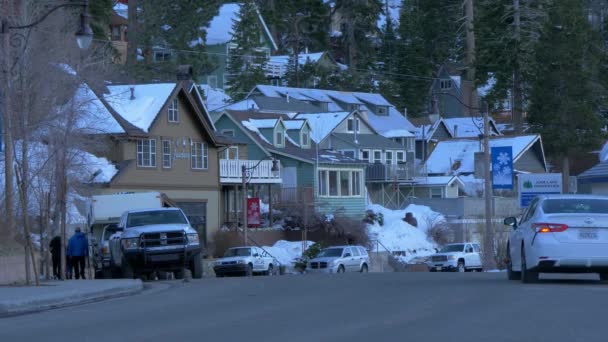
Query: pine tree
{"x": 388, "y": 59}
{"x": 246, "y": 61}
{"x": 178, "y": 28}
{"x": 507, "y": 32}
{"x": 563, "y": 105}
{"x": 430, "y": 36}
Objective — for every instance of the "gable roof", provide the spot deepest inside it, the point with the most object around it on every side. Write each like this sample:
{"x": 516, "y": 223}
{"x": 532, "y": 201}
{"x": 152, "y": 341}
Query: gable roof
{"x": 469, "y": 127}
{"x": 230, "y": 115}
{"x": 96, "y": 117}
{"x": 294, "y": 124}
{"x": 214, "y": 98}
{"x": 443, "y": 158}
{"x": 438, "y": 181}
{"x": 394, "y": 124}
{"x": 143, "y": 109}
{"x": 219, "y": 30}
{"x": 322, "y": 124}
{"x": 598, "y": 173}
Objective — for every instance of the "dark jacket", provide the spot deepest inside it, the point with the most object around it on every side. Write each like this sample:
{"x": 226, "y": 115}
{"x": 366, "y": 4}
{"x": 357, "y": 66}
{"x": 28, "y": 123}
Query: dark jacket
{"x": 78, "y": 245}
{"x": 55, "y": 246}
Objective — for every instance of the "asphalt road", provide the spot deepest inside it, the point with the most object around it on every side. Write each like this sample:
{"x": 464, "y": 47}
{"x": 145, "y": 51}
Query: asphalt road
{"x": 374, "y": 307}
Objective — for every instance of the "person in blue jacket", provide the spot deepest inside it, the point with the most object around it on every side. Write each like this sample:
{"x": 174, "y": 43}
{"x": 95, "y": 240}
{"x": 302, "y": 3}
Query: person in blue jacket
{"x": 78, "y": 251}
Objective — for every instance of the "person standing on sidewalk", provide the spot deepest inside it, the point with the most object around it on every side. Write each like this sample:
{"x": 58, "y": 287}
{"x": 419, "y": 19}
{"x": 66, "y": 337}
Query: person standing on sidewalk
{"x": 55, "y": 248}
{"x": 78, "y": 251}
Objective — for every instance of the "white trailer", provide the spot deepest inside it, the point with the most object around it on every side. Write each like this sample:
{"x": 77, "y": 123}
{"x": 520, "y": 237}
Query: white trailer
{"x": 103, "y": 216}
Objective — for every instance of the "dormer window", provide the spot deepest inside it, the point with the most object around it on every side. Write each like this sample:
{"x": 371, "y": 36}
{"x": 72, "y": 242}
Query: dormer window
{"x": 350, "y": 125}
{"x": 305, "y": 141}
{"x": 445, "y": 84}
{"x": 382, "y": 110}
{"x": 279, "y": 139}
{"x": 173, "y": 111}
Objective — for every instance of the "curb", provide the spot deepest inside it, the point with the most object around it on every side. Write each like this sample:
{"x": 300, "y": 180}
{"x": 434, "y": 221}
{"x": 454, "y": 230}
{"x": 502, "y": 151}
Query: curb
{"x": 42, "y": 304}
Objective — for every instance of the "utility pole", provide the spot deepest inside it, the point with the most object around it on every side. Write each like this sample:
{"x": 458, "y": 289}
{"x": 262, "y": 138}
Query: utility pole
{"x": 244, "y": 185}
{"x": 516, "y": 110}
{"x": 7, "y": 120}
{"x": 488, "y": 237}
{"x": 471, "y": 97}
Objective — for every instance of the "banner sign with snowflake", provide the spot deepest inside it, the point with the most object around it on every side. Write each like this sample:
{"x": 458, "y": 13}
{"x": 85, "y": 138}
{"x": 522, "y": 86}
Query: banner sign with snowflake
{"x": 254, "y": 217}
{"x": 502, "y": 167}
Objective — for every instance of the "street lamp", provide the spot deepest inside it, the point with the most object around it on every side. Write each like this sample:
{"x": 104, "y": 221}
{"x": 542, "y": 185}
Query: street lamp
{"x": 84, "y": 37}
{"x": 244, "y": 169}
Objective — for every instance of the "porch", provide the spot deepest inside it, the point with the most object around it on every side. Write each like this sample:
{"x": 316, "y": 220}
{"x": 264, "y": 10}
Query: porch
{"x": 231, "y": 172}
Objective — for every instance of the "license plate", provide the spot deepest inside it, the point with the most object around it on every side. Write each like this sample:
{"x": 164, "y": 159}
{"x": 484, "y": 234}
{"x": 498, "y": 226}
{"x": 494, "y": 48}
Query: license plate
{"x": 588, "y": 235}
{"x": 439, "y": 268}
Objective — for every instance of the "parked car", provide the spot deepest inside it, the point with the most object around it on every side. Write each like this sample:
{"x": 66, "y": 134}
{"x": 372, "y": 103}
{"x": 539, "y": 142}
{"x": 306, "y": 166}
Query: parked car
{"x": 152, "y": 240}
{"x": 245, "y": 260}
{"x": 340, "y": 259}
{"x": 460, "y": 257}
{"x": 559, "y": 234}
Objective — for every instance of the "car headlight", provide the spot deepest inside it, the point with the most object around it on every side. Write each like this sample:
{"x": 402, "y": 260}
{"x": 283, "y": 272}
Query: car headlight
{"x": 451, "y": 257}
{"x": 240, "y": 261}
{"x": 130, "y": 243}
{"x": 193, "y": 239}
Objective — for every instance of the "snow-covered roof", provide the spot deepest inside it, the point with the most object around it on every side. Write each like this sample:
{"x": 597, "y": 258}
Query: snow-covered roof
{"x": 263, "y": 123}
{"x": 322, "y": 124}
{"x": 394, "y": 9}
{"x": 214, "y": 98}
{"x": 456, "y": 80}
{"x": 392, "y": 125}
{"x": 143, "y": 109}
{"x": 246, "y": 104}
{"x": 443, "y": 159}
{"x": 219, "y": 30}
{"x": 470, "y": 127}
{"x": 302, "y": 58}
{"x": 294, "y": 124}
{"x": 122, "y": 10}
{"x": 437, "y": 180}
{"x": 252, "y": 127}
{"x": 95, "y": 116}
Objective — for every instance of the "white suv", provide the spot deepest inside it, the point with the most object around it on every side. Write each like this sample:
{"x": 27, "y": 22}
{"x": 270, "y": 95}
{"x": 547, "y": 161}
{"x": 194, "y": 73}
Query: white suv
{"x": 245, "y": 260}
{"x": 340, "y": 259}
{"x": 459, "y": 257}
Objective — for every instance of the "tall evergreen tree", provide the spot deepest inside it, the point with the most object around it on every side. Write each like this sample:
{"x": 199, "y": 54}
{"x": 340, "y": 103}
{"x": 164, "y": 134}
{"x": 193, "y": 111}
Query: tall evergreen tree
{"x": 179, "y": 29}
{"x": 388, "y": 58}
{"x": 430, "y": 35}
{"x": 563, "y": 107}
{"x": 246, "y": 61}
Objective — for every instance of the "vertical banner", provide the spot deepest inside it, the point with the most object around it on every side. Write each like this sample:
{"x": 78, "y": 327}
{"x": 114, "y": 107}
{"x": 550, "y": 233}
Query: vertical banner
{"x": 502, "y": 167}
{"x": 254, "y": 217}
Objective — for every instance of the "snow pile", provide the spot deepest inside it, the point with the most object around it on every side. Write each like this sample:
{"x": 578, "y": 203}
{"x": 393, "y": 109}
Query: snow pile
{"x": 398, "y": 236}
{"x": 286, "y": 252}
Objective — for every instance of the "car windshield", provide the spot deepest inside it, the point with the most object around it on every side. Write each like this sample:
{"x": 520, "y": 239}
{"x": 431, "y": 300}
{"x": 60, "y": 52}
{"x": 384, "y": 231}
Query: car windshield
{"x": 575, "y": 206}
{"x": 145, "y": 218}
{"x": 330, "y": 252}
{"x": 232, "y": 252}
{"x": 452, "y": 248}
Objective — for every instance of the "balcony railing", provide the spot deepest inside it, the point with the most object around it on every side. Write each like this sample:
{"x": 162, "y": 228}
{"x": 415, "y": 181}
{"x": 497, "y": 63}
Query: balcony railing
{"x": 230, "y": 171}
{"x": 388, "y": 173}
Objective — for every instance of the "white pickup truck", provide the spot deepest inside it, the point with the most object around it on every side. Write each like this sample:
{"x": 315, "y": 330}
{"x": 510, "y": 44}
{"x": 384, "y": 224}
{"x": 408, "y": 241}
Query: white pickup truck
{"x": 151, "y": 240}
{"x": 245, "y": 260}
{"x": 103, "y": 215}
{"x": 460, "y": 257}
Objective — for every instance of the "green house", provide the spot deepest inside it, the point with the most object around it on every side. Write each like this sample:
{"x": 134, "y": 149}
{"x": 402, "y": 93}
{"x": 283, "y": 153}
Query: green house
{"x": 219, "y": 43}
{"x": 328, "y": 180}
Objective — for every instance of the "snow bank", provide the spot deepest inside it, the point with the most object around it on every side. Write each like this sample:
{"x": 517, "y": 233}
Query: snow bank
{"x": 287, "y": 251}
{"x": 398, "y": 236}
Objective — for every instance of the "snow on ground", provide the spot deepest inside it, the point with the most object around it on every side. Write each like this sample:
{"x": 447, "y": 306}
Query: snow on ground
{"x": 398, "y": 236}
{"x": 287, "y": 251}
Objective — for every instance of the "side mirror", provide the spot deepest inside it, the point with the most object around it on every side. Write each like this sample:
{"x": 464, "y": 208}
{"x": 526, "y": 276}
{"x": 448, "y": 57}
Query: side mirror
{"x": 510, "y": 221}
{"x": 347, "y": 255}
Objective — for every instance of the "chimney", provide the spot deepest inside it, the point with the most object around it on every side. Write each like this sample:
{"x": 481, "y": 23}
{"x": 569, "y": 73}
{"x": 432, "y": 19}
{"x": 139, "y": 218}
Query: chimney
{"x": 455, "y": 131}
{"x": 184, "y": 72}
{"x": 132, "y": 93}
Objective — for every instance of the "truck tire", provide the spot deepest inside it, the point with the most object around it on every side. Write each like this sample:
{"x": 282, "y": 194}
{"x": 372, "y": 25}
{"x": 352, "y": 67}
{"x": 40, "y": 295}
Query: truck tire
{"x": 127, "y": 270}
{"x": 249, "y": 271}
{"x": 196, "y": 267}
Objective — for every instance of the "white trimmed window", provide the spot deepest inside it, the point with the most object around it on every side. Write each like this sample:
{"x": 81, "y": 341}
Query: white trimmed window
{"x": 166, "y": 154}
{"x": 173, "y": 111}
{"x": 305, "y": 141}
{"x": 436, "y": 193}
{"x": 340, "y": 183}
{"x": 400, "y": 156}
{"x": 377, "y": 156}
{"x": 365, "y": 155}
{"x": 388, "y": 157}
{"x": 445, "y": 84}
{"x": 279, "y": 139}
{"x": 351, "y": 124}
{"x": 146, "y": 153}
{"x": 232, "y": 153}
{"x": 199, "y": 156}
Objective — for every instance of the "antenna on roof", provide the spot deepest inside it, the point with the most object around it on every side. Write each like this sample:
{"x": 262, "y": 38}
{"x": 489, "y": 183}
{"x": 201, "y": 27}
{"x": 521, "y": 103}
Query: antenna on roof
{"x": 132, "y": 93}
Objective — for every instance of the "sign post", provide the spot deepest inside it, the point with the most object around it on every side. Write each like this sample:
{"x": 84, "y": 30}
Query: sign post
{"x": 532, "y": 185}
